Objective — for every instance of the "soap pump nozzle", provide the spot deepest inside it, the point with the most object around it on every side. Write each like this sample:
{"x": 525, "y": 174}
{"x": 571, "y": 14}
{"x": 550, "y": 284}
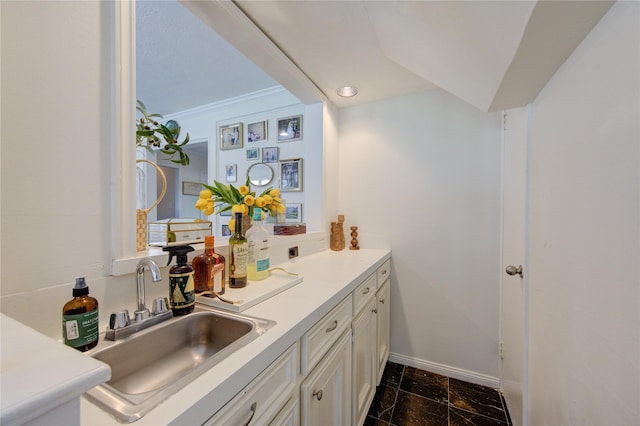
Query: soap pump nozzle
{"x": 80, "y": 288}
{"x": 180, "y": 252}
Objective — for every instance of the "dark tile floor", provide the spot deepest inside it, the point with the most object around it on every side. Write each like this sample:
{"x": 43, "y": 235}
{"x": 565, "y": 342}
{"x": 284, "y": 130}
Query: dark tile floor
{"x": 408, "y": 396}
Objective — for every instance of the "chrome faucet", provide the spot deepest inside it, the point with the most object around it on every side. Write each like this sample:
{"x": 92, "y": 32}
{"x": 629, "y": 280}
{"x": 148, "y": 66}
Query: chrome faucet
{"x": 121, "y": 325}
{"x": 142, "y": 312}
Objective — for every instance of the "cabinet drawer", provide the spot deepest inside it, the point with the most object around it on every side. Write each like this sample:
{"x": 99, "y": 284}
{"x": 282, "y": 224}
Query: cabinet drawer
{"x": 262, "y": 399}
{"x": 363, "y": 293}
{"x": 317, "y": 341}
{"x": 384, "y": 271}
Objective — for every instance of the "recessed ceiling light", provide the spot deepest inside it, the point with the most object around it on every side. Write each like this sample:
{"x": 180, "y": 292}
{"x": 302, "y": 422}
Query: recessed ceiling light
{"x": 347, "y": 91}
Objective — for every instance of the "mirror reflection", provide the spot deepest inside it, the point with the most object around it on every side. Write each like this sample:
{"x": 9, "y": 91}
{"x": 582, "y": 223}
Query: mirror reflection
{"x": 177, "y": 69}
{"x": 166, "y": 92}
{"x": 181, "y": 194}
{"x": 260, "y": 174}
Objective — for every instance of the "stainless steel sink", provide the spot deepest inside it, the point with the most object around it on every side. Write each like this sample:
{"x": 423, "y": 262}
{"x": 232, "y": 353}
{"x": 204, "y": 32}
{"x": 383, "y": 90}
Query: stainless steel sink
{"x": 153, "y": 364}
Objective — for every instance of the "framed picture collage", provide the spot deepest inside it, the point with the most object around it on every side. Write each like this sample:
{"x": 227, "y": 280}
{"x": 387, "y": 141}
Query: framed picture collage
{"x": 250, "y": 138}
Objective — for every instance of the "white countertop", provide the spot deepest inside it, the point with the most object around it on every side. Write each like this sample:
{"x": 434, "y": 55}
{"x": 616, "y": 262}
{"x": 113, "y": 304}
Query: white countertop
{"x": 328, "y": 278}
{"x": 38, "y": 374}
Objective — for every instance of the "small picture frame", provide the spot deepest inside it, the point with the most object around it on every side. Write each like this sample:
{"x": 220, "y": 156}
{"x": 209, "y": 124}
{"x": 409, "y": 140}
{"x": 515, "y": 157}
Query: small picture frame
{"x": 253, "y": 154}
{"x": 293, "y": 213}
{"x": 290, "y": 128}
{"x": 225, "y": 231}
{"x": 231, "y": 172}
{"x": 270, "y": 154}
{"x": 231, "y": 136}
{"x": 191, "y": 188}
{"x": 257, "y": 132}
{"x": 291, "y": 175}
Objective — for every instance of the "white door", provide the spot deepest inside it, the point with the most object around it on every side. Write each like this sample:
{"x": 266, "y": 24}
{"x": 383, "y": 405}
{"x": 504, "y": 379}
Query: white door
{"x": 513, "y": 381}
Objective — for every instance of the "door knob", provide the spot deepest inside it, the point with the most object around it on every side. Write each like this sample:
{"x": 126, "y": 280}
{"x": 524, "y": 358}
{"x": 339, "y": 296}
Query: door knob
{"x": 512, "y": 270}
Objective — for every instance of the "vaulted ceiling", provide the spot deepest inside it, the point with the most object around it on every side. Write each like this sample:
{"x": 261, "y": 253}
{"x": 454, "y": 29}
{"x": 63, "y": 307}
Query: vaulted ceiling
{"x": 492, "y": 54}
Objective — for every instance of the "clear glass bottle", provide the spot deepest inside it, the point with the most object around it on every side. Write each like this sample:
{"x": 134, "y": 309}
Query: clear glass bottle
{"x": 239, "y": 250}
{"x": 208, "y": 268}
{"x": 258, "y": 241}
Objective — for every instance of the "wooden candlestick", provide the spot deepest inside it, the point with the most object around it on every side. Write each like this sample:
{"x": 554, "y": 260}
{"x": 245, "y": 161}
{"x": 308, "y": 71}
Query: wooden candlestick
{"x": 354, "y": 238}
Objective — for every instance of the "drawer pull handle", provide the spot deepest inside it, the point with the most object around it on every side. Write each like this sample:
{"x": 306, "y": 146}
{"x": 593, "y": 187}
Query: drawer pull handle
{"x": 375, "y": 311}
{"x": 382, "y": 301}
{"x": 254, "y": 407}
{"x": 333, "y": 327}
{"x": 366, "y": 290}
{"x": 318, "y": 394}
{"x": 384, "y": 272}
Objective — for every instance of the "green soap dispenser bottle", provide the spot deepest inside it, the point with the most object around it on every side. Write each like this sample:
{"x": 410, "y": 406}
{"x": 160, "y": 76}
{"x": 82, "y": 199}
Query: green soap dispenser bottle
{"x": 80, "y": 319}
{"x": 182, "y": 295}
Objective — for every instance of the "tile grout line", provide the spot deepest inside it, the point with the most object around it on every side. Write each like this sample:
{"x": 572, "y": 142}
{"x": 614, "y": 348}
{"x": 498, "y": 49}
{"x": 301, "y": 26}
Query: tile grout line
{"x": 393, "y": 407}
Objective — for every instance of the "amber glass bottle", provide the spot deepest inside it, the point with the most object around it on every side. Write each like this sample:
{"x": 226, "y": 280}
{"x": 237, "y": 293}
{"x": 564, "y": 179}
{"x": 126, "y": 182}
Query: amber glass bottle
{"x": 80, "y": 319}
{"x": 208, "y": 268}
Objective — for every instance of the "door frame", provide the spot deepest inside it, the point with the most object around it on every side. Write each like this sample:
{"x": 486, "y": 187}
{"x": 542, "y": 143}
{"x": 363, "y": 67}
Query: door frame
{"x": 525, "y": 261}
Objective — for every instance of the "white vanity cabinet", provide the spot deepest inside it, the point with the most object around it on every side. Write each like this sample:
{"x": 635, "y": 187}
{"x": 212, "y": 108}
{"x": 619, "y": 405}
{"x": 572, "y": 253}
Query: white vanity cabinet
{"x": 265, "y": 400}
{"x": 364, "y": 361}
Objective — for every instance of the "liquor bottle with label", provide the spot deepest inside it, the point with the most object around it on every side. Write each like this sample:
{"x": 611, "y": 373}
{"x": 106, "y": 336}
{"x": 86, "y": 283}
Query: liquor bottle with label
{"x": 208, "y": 269}
{"x": 239, "y": 250}
{"x": 258, "y": 241}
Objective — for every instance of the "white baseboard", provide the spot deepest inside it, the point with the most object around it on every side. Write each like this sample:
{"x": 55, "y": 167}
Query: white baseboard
{"x": 446, "y": 370}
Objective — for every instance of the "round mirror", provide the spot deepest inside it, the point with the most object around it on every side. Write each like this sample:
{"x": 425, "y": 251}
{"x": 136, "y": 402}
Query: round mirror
{"x": 260, "y": 174}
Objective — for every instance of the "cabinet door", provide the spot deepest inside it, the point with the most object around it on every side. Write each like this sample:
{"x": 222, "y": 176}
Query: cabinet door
{"x": 383, "y": 318}
{"x": 365, "y": 366}
{"x": 289, "y": 415}
{"x": 326, "y": 393}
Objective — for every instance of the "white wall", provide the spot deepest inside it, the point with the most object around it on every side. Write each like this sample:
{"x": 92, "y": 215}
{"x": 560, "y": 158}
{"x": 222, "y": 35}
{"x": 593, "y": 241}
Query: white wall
{"x": 331, "y": 158}
{"x": 55, "y": 139}
{"x": 56, "y": 133}
{"x": 421, "y": 174}
{"x": 585, "y": 276}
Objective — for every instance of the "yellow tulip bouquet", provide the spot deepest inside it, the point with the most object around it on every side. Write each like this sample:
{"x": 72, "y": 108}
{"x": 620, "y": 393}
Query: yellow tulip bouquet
{"x": 221, "y": 198}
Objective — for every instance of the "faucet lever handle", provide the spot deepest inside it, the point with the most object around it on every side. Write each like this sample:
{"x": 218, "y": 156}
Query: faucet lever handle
{"x": 160, "y": 305}
{"x": 119, "y": 319}
{"x": 142, "y": 315}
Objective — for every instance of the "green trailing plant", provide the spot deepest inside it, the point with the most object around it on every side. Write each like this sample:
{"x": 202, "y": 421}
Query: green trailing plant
{"x": 153, "y": 135}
